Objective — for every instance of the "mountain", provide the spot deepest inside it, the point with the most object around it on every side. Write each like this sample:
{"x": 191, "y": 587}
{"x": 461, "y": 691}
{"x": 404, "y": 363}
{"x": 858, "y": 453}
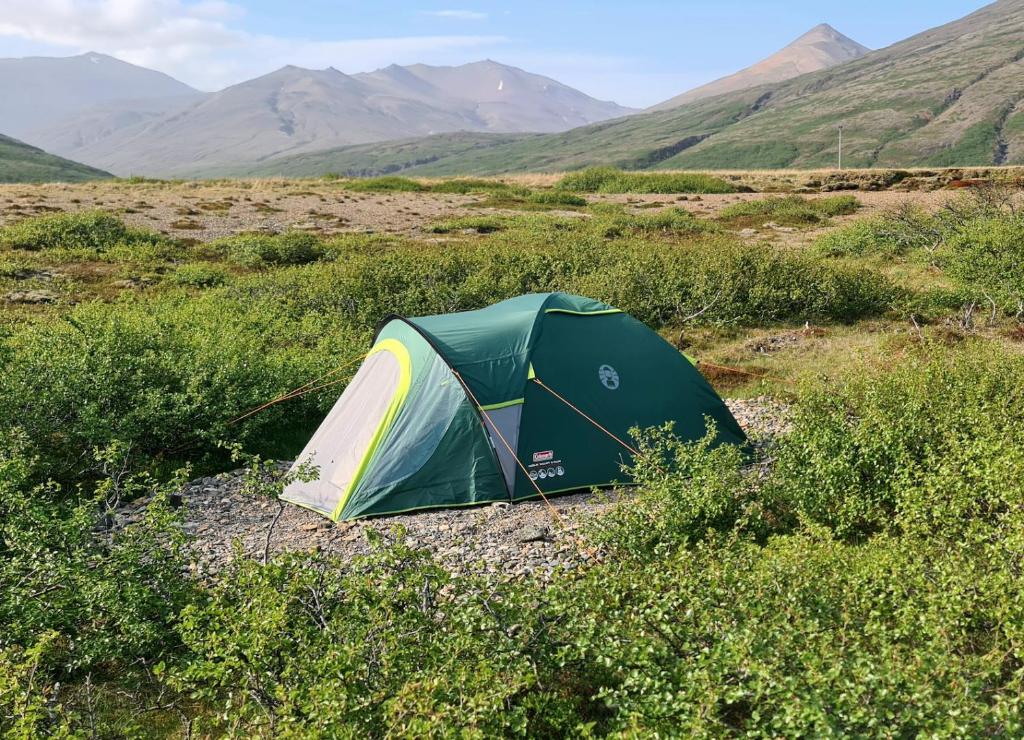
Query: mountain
{"x": 506, "y": 99}
{"x": 295, "y": 110}
{"x": 36, "y": 92}
{"x": 820, "y": 48}
{"x": 950, "y": 96}
{"x": 20, "y": 162}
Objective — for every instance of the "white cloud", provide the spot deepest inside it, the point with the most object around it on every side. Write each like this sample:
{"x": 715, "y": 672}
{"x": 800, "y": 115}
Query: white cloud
{"x": 195, "y": 41}
{"x": 462, "y": 15}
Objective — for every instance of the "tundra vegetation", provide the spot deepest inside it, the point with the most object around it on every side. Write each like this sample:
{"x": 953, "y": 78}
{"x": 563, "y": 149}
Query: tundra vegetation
{"x": 865, "y": 580}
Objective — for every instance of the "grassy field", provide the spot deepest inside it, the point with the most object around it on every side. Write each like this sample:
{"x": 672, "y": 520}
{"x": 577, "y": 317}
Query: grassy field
{"x": 862, "y": 580}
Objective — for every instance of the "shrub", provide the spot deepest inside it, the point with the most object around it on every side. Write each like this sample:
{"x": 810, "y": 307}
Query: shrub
{"x": 74, "y": 605}
{"x": 95, "y": 231}
{"x": 683, "y": 491}
{"x": 986, "y": 256}
{"x": 932, "y": 447}
{"x": 556, "y": 198}
{"x": 261, "y": 250}
{"x": 199, "y": 275}
{"x": 611, "y": 180}
{"x": 314, "y": 646}
{"x": 165, "y": 376}
{"x": 896, "y": 234}
{"x": 477, "y": 224}
{"x": 792, "y": 209}
{"x": 469, "y": 185}
{"x": 387, "y": 184}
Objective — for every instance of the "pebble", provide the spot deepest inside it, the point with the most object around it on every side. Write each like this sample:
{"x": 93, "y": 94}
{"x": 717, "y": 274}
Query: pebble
{"x": 503, "y": 540}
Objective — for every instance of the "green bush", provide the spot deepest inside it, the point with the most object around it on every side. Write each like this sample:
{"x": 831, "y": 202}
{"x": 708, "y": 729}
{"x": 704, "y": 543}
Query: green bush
{"x": 792, "y": 209}
{"x": 477, "y": 224}
{"x": 80, "y": 608}
{"x": 199, "y": 275}
{"x": 556, "y": 198}
{"x": 611, "y": 180}
{"x": 469, "y": 185}
{"x": 95, "y": 231}
{"x": 261, "y": 250}
{"x": 896, "y": 234}
{"x": 387, "y": 184}
{"x": 933, "y": 447}
{"x": 986, "y": 256}
{"x": 166, "y": 376}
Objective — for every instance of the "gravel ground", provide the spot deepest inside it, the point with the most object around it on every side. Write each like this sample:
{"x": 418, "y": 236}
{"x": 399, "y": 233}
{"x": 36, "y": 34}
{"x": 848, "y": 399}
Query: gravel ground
{"x": 209, "y": 210}
{"x": 504, "y": 540}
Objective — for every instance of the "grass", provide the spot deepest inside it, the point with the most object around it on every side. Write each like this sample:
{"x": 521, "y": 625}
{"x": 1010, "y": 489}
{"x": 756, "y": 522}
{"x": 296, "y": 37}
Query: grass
{"x": 386, "y": 184}
{"x": 611, "y": 180}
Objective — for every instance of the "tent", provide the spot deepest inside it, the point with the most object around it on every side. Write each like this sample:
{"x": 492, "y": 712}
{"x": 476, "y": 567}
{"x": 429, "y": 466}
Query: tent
{"x": 533, "y": 395}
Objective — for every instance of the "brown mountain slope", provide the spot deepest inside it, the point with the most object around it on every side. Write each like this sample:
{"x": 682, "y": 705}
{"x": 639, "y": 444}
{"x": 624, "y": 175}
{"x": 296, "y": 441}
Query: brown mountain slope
{"x": 820, "y": 48}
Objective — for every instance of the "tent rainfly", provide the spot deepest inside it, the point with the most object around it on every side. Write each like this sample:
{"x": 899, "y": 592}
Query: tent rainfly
{"x": 534, "y": 394}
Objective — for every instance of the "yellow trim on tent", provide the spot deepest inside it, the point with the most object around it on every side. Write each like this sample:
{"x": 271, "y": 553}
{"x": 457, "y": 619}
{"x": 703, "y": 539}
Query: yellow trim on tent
{"x": 397, "y": 400}
{"x": 531, "y": 374}
{"x": 504, "y": 405}
{"x": 582, "y": 313}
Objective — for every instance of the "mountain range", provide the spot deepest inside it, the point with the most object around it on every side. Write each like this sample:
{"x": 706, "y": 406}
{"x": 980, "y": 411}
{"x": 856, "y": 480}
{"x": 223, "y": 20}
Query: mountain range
{"x": 132, "y": 120}
{"x": 953, "y": 95}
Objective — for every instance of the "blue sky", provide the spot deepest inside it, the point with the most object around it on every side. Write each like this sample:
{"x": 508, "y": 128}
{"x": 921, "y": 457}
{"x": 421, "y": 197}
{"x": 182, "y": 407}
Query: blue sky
{"x": 637, "y": 53}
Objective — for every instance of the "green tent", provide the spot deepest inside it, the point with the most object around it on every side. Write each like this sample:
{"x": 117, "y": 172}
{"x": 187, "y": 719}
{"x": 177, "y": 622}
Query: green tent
{"x": 537, "y": 393}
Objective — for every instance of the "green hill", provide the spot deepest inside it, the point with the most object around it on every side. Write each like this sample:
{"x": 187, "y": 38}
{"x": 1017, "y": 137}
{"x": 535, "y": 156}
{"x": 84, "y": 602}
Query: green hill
{"x": 20, "y": 162}
{"x": 950, "y": 96}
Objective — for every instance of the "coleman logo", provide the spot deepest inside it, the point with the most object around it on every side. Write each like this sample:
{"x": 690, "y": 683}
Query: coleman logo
{"x": 608, "y": 376}
{"x": 545, "y": 456}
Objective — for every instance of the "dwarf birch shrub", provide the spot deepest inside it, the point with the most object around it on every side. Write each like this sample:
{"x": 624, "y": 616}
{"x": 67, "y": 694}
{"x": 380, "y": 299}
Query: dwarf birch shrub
{"x": 931, "y": 447}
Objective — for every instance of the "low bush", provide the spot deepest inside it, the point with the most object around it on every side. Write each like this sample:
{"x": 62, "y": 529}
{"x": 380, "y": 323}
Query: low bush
{"x": 611, "y": 180}
{"x": 792, "y": 210}
{"x": 473, "y": 224}
{"x": 895, "y": 234}
{"x": 165, "y": 376}
{"x": 986, "y": 256}
{"x": 261, "y": 250}
{"x": 469, "y": 185}
{"x": 199, "y": 275}
{"x": 91, "y": 231}
{"x": 386, "y": 184}
{"x": 79, "y": 610}
{"x": 556, "y": 198}
{"x": 923, "y": 448}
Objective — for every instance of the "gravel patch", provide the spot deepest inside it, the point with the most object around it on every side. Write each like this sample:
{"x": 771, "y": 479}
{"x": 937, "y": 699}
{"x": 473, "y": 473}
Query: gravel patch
{"x": 503, "y": 540}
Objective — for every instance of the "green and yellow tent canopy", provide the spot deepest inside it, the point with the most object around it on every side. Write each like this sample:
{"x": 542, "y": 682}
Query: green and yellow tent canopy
{"x": 533, "y": 395}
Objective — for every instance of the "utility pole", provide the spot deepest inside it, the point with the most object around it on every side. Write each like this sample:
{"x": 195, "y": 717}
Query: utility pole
{"x": 840, "y": 146}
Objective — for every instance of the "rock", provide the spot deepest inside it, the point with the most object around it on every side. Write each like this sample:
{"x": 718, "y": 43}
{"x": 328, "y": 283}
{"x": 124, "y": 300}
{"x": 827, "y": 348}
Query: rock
{"x": 310, "y": 527}
{"x": 133, "y": 282}
{"x": 534, "y": 534}
{"x": 31, "y": 296}
{"x": 748, "y": 233}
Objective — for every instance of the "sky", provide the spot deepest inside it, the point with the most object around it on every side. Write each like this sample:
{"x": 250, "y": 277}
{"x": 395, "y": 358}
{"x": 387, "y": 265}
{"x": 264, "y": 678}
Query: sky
{"x": 637, "y": 52}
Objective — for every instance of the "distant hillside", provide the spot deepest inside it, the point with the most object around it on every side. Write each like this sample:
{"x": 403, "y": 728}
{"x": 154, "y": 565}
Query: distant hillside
{"x": 366, "y": 160}
{"x": 820, "y": 48}
{"x": 295, "y": 110}
{"x": 950, "y": 96}
{"x": 39, "y": 92}
{"x": 20, "y": 162}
